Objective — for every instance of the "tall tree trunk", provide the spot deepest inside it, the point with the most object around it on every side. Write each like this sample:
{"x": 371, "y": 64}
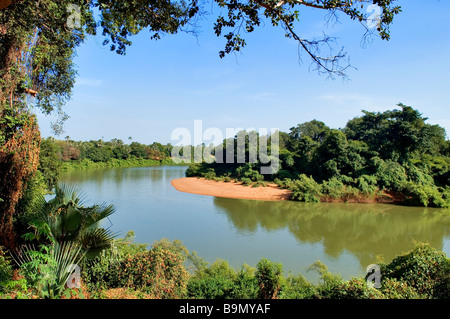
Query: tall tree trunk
{"x": 19, "y": 159}
{"x": 8, "y": 55}
{"x": 19, "y": 149}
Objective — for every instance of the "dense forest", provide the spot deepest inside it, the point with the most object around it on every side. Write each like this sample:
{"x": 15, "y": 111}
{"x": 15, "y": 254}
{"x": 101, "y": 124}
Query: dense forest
{"x": 391, "y": 156}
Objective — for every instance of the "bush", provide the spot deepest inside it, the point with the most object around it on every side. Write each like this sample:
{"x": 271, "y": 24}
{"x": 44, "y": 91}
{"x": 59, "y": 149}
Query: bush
{"x": 389, "y": 174}
{"x": 333, "y": 188}
{"x": 269, "y": 276}
{"x": 210, "y": 174}
{"x": 158, "y": 271}
{"x": 424, "y": 269}
{"x": 245, "y": 285}
{"x": 5, "y": 268}
{"x": 355, "y": 288}
{"x": 246, "y": 181}
{"x": 394, "y": 289}
{"x": 214, "y": 282}
{"x": 297, "y": 287}
{"x": 334, "y": 287}
{"x": 305, "y": 189}
{"x": 424, "y": 195}
{"x": 367, "y": 184}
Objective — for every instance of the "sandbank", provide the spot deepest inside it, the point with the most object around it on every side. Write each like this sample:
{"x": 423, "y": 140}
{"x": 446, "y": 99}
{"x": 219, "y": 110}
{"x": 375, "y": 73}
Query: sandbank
{"x": 201, "y": 186}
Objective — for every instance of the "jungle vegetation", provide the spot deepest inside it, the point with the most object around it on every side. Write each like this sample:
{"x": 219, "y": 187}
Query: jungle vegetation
{"x": 391, "y": 156}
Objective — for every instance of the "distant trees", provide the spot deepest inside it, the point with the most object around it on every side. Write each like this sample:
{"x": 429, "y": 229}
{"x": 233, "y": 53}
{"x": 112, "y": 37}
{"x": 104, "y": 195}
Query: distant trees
{"x": 101, "y": 151}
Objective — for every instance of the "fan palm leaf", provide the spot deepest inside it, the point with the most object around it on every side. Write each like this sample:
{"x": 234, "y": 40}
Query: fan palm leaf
{"x": 70, "y": 219}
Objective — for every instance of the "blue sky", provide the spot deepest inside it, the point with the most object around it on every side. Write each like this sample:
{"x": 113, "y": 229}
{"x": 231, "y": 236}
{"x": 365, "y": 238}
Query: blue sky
{"x": 161, "y": 85}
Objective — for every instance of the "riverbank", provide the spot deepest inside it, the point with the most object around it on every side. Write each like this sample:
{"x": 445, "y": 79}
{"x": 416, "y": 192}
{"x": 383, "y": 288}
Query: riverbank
{"x": 112, "y": 163}
{"x": 202, "y": 186}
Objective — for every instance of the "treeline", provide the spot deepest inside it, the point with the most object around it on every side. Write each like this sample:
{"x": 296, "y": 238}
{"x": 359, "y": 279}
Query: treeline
{"x": 392, "y": 156}
{"x": 103, "y": 151}
{"x": 63, "y": 155}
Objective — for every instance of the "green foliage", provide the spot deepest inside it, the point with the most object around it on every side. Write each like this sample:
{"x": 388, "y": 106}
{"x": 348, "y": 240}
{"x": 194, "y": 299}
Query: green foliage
{"x": 424, "y": 269}
{"x": 49, "y": 162}
{"x": 305, "y": 189}
{"x": 49, "y": 268}
{"x": 367, "y": 184}
{"x": 424, "y": 195}
{"x": 214, "y": 282}
{"x": 393, "y": 156}
{"x": 59, "y": 156}
{"x": 333, "y": 188}
{"x": 101, "y": 271}
{"x": 269, "y": 276}
{"x": 297, "y": 287}
{"x": 391, "y": 288}
{"x": 158, "y": 271}
{"x": 66, "y": 218}
{"x": 5, "y": 269}
{"x": 220, "y": 281}
{"x": 246, "y": 171}
{"x": 421, "y": 273}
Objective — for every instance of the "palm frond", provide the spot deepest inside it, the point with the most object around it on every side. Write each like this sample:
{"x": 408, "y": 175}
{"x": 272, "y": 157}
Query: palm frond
{"x": 97, "y": 240}
{"x": 95, "y": 214}
{"x": 66, "y": 254}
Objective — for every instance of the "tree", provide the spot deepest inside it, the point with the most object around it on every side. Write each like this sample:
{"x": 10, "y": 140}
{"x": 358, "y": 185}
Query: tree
{"x": 396, "y": 134}
{"x": 49, "y": 162}
{"x": 245, "y": 16}
{"x": 66, "y": 218}
{"x": 314, "y": 129}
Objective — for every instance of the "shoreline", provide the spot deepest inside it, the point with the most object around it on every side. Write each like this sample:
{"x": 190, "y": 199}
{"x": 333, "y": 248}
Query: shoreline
{"x": 202, "y": 186}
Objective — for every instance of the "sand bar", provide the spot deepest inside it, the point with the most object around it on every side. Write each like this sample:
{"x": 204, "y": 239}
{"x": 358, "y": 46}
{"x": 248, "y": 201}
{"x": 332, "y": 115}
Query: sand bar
{"x": 203, "y": 186}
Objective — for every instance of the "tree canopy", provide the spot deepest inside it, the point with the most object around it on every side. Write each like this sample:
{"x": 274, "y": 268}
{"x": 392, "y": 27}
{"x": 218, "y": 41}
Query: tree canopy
{"x": 394, "y": 153}
{"x": 38, "y": 39}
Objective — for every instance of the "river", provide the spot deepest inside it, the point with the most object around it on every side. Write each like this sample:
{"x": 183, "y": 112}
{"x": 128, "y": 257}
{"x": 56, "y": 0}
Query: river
{"x": 345, "y": 237}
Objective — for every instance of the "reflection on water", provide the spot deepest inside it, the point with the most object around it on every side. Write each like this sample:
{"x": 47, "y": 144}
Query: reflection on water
{"x": 346, "y": 237}
{"x": 365, "y": 230}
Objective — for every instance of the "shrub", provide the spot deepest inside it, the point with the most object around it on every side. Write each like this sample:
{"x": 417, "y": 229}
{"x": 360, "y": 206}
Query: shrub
{"x": 269, "y": 276}
{"x": 394, "y": 289}
{"x": 334, "y": 287}
{"x": 355, "y": 288}
{"x": 101, "y": 272}
{"x": 245, "y": 285}
{"x": 5, "y": 268}
{"x": 297, "y": 287}
{"x": 424, "y": 269}
{"x": 305, "y": 189}
{"x": 246, "y": 171}
{"x": 214, "y": 282}
{"x": 389, "y": 174}
{"x": 246, "y": 181}
{"x": 333, "y": 188}
{"x": 424, "y": 195}
{"x": 367, "y": 184}
{"x": 158, "y": 271}
{"x": 210, "y": 174}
